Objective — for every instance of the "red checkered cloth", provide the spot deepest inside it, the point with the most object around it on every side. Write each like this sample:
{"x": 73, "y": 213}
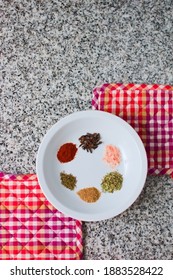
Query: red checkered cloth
{"x": 30, "y": 227}
{"x": 149, "y": 110}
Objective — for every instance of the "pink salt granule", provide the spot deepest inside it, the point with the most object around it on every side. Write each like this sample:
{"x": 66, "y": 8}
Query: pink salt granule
{"x": 112, "y": 156}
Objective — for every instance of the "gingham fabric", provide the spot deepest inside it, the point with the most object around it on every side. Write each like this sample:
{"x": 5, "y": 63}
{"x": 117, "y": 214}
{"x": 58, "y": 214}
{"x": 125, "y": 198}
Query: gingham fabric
{"x": 149, "y": 110}
{"x": 30, "y": 227}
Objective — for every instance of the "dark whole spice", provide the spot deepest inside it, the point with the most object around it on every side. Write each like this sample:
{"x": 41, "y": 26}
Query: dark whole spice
{"x": 68, "y": 180}
{"x": 90, "y": 141}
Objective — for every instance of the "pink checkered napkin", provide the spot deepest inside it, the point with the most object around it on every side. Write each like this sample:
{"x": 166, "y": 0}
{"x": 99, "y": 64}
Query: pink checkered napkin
{"x": 149, "y": 110}
{"x": 30, "y": 227}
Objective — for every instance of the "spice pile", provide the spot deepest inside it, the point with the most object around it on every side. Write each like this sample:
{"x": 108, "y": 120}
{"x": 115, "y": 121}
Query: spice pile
{"x": 89, "y": 195}
{"x": 90, "y": 141}
{"x": 68, "y": 180}
{"x": 67, "y": 152}
{"x": 110, "y": 182}
{"x": 112, "y": 156}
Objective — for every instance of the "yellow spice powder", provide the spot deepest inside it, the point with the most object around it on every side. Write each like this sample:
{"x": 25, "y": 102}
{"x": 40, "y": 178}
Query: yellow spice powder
{"x": 89, "y": 195}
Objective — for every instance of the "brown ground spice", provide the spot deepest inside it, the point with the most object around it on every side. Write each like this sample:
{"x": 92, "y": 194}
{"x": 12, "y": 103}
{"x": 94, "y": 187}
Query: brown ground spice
{"x": 89, "y": 195}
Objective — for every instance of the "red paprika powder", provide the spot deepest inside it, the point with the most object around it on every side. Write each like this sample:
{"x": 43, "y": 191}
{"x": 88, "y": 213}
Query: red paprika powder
{"x": 67, "y": 152}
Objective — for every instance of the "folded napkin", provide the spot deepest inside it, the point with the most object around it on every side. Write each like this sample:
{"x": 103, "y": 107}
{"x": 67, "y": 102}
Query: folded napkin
{"x": 149, "y": 110}
{"x": 30, "y": 227}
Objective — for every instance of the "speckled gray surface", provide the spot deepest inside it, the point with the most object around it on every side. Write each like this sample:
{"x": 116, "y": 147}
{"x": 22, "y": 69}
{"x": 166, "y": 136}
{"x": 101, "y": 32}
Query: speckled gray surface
{"x": 53, "y": 54}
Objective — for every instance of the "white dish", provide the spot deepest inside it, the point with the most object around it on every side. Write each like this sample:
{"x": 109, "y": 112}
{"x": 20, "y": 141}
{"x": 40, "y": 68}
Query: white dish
{"x": 89, "y": 168}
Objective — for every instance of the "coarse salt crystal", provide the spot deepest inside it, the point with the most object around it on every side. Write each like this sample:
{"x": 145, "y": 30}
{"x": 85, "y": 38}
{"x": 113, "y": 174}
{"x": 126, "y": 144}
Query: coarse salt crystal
{"x": 112, "y": 156}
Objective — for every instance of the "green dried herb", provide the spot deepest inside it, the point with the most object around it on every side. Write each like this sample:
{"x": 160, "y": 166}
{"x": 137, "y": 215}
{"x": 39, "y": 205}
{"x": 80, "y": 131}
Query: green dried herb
{"x": 112, "y": 182}
{"x": 68, "y": 180}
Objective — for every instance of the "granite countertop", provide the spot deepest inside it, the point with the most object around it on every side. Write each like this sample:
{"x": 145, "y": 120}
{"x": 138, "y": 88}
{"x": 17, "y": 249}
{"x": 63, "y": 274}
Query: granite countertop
{"x": 53, "y": 54}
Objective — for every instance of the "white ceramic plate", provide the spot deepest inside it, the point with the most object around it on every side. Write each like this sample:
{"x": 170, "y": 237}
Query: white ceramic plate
{"x": 88, "y": 168}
